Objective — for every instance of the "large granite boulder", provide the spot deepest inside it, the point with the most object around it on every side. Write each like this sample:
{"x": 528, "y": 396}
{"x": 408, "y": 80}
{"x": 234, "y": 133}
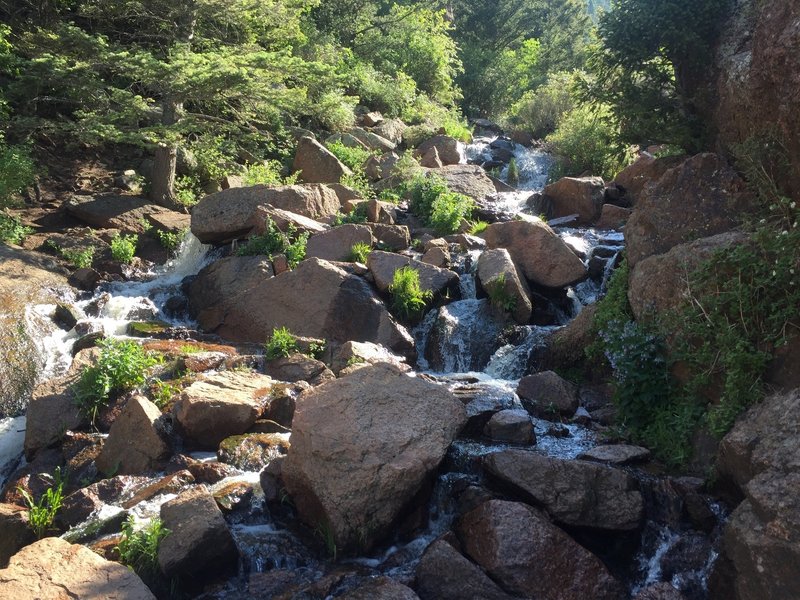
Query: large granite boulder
{"x": 446, "y": 148}
{"x": 645, "y": 169}
{"x": 547, "y": 394}
{"x": 51, "y": 412}
{"x": 109, "y": 211}
{"x": 500, "y": 278}
{"x": 317, "y": 164}
{"x": 317, "y": 299}
{"x": 530, "y": 557}
{"x": 540, "y": 254}
{"x": 336, "y": 244}
{"x": 199, "y": 546}
{"x": 470, "y": 180}
{"x": 363, "y": 446}
{"x": 582, "y": 196}
{"x": 231, "y": 214}
{"x": 221, "y": 405}
{"x": 137, "y": 442}
{"x": 54, "y": 569}
{"x": 759, "y": 459}
{"x": 371, "y": 140}
{"x": 383, "y": 265}
{"x": 700, "y": 198}
{"x": 573, "y": 492}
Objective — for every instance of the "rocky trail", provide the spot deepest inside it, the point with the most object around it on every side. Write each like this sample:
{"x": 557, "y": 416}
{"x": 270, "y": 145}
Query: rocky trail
{"x": 440, "y": 457}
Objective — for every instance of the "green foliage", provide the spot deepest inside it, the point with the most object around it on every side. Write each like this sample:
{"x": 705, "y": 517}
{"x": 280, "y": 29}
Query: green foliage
{"x": 123, "y": 248}
{"x": 138, "y": 549}
{"x": 317, "y": 349}
{"x": 513, "y": 172}
{"x": 170, "y": 240}
{"x": 416, "y": 134}
{"x": 80, "y": 258}
{"x": 267, "y": 173}
{"x": 408, "y": 298}
{"x": 12, "y": 230}
{"x": 282, "y": 344}
{"x": 42, "y": 514}
{"x": 359, "y": 183}
{"x": 356, "y": 216}
{"x": 539, "y": 111}
{"x": 440, "y": 208}
{"x": 274, "y": 241}
{"x": 17, "y": 170}
{"x": 478, "y": 227}
{"x": 359, "y": 252}
{"x": 586, "y": 141}
{"x": 163, "y": 393}
{"x": 354, "y": 158}
{"x": 335, "y": 111}
{"x": 121, "y": 366}
{"x": 188, "y": 190}
{"x": 499, "y": 295}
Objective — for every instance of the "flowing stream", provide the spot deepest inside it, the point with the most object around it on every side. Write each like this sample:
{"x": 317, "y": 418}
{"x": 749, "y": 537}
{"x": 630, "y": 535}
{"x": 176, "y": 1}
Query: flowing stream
{"x": 462, "y": 344}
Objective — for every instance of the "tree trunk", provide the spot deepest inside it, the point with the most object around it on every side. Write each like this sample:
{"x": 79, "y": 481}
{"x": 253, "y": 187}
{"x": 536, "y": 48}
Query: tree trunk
{"x": 165, "y": 160}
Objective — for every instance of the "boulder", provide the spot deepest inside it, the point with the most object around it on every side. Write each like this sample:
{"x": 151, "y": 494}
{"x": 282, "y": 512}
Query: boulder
{"x": 510, "y": 426}
{"x": 392, "y": 130}
{"x": 351, "y": 470}
{"x": 528, "y": 556}
{"x": 582, "y": 196}
{"x": 573, "y": 492}
{"x": 381, "y": 588}
{"x": 317, "y": 299}
{"x": 372, "y": 140}
{"x": 470, "y": 180}
{"x": 659, "y": 591}
{"x": 644, "y": 170}
{"x": 54, "y": 569}
{"x": 701, "y": 198}
{"x": 51, "y": 412}
{"x": 283, "y": 219}
{"x": 547, "y": 394}
{"x": 616, "y": 454}
{"x": 381, "y": 167}
{"x": 200, "y": 546}
{"x": 500, "y": 278}
{"x": 231, "y": 214}
{"x": 447, "y": 149}
{"x": 437, "y": 256}
{"x": 381, "y": 212}
{"x": 298, "y": 367}
{"x": 538, "y": 252}
{"x": 444, "y": 574}
{"x": 759, "y": 459}
{"x": 337, "y": 243}
{"x": 253, "y": 451}
{"x": 346, "y": 140}
{"x": 137, "y": 441}
{"x": 393, "y": 237}
{"x": 383, "y": 265}
{"x": 613, "y": 217}
{"x": 371, "y": 119}
{"x": 15, "y": 531}
{"x": 109, "y": 211}
{"x": 170, "y": 221}
{"x": 431, "y": 159}
{"x": 317, "y": 164}
{"x": 363, "y": 352}
{"x": 346, "y": 195}
{"x": 221, "y": 405}
{"x": 658, "y": 283}
{"x": 565, "y": 347}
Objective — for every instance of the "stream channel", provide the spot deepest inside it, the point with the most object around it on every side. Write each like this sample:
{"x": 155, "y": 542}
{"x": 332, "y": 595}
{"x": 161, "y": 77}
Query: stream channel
{"x": 463, "y": 344}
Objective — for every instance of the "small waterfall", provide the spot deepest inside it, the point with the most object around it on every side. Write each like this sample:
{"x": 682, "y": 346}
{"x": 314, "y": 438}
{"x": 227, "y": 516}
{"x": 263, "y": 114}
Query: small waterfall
{"x": 510, "y": 362}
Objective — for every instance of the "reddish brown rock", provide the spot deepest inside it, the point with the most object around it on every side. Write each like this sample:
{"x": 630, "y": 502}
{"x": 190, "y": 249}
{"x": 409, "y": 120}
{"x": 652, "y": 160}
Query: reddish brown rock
{"x": 350, "y": 468}
{"x": 446, "y": 148}
{"x": 644, "y": 170}
{"x": 530, "y": 557}
{"x": 505, "y": 285}
{"x": 582, "y": 196}
{"x": 15, "y": 531}
{"x": 317, "y": 164}
{"x": 383, "y": 265}
{"x": 613, "y": 217}
{"x": 539, "y": 253}
{"x": 549, "y": 395}
{"x": 337, "y": 244}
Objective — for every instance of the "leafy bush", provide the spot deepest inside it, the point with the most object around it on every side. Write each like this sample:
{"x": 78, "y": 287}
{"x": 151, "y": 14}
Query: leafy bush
{"x": 17, "y": 172}
{"x": 188, "y": 190}
{"x": 586, "y": 141}
{"x": 391, "y": 95}
{"x": 12, "y": 230}
{"x": 334, "y": 111}
{"x": 359, "y": 183}
{"x": 163, "y": 392}
{"x": 478, "y": 227}
{"x": 139, "y": 549}
{"x": 170, "y": 240}
{"x": 416, "y": 134}
{"x": 123, "y": 247}
{"x": 80, "y": 258}
{"x": 282, "y": 344}
{"x": 274, "y": 241}
{"x": 354, "y": 158}
{"x": 513, "y": 172}
{"x": 267, "y": 173}
{"x": 359, "y": 252}
{"x": 42, "y": 514}
{"x": 432, "y": 201}
{"x": 408, "y": 298}
{"x": 540, "y": 111}
{"x": 357, "y": 215}
{"x": 121, "y": 366}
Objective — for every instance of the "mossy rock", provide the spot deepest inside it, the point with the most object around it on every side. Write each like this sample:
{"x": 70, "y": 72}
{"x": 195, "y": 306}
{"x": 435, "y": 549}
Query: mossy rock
{"x": 252, "y": 452}
{"x": 148, "y": 328}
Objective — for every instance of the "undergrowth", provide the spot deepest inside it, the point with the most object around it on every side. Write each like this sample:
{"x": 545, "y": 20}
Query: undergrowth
{"x": 281, "y": 344}
{"x": 291, "y": 244}
{"x": 12, "y": 230}
{"x": 408, "y": 297}
{"x": 42, "y": 514}
{"x": 434, "y": 202}
{"x": 138, "y": 549}
{"x": 123, "y": 248}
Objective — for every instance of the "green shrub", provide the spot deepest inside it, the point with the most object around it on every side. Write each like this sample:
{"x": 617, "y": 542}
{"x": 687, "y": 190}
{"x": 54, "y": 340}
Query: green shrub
{"x": 12, "y": 230}
{"x": 139, "y": 549}
{"x": 17, "y": 171}
{"x": 478, "y": 227}
{"x": 163, "y": 393}
{"x": 334, "y": 111}
{"x": 423, "y": 191}
{"x": 274, "y": 241}
{"x": 80, "y": 258}
{"x": 359, "y": 252}
{"x": 408, "y": 298}
{"x": 121, "y": 366}
{"x": 170, "y": 240}
{"x": 282, "y": 344}
{"x": 432, "y": 201}
{"x": 358, "y": 182}
{"x": 123, "y": 247}
{"x": 42, "y": 514}
{"x": 356, "y": 216}
{"x": 188, "y": 190}
{"x": 354, "y": 158}
{"x": 416, "y": 134}
{"x": 267, "y": 173}
{"x": 513, "y": 172}
{"x": 540, "y": 111}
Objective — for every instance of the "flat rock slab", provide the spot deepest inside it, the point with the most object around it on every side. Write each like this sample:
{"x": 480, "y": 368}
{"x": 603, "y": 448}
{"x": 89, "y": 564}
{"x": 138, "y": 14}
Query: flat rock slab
{"x": 361, "y": 448}
{"x": 337, "y": 244}
{"x": 53, "y": 569}
{"x": 620, "y": 454}
{"x": 114, "y": 212}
